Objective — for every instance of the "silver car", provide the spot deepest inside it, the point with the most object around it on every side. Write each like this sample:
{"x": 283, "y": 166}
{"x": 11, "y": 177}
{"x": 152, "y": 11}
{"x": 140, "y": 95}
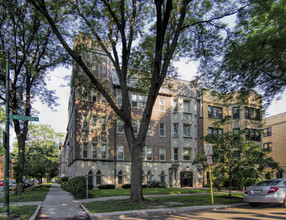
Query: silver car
{"x": 268, "y": 191}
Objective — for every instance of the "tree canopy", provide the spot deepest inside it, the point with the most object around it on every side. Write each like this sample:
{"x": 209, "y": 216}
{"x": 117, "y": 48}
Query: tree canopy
{"x": 254, "y": 55}
{"x": 32, "y": 50}
{"x": 141, "y": 38}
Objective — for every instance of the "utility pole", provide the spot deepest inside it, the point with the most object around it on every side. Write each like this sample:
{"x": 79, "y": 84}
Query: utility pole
{"x": 6, "y": 145}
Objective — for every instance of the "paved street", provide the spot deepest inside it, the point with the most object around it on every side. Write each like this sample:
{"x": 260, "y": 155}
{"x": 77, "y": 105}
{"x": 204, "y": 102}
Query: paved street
{"x": 245, "y": 213}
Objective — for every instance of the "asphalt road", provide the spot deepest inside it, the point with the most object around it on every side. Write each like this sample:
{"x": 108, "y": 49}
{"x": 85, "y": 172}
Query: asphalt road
{"x": 243, "y": 213}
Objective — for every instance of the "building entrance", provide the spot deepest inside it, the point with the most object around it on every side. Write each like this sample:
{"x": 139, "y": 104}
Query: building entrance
{"x": 186, "y": 179}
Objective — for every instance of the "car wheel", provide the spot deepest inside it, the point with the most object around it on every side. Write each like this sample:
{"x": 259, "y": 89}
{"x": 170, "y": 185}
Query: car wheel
{"x": 254, "y": 204}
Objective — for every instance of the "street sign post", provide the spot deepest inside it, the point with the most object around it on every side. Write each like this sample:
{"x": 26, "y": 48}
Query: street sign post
{"x": 209, "y": 153}
{"x": 24, "y": 118}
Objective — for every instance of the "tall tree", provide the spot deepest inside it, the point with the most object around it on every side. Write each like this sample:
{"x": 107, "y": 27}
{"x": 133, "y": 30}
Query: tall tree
{"x": 42, "y": 152}
{"x": 141, "y": 38}
{"x": 255, "y": 55}
{"x": 32, "y": 50}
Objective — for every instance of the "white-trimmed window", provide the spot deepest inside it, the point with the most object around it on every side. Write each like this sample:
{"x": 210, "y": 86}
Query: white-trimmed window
{"x": 147, "y": 153}
{"x": 103, "y": 151}
{"x": 149, "y": 132}
{"x": 162, "y": 129}
{"x": 94, "y": 151}
{"x": 103, "y": 124}
{"x": 120, "y": 152}
{"x": 84, "y": 94}
{"x": 94, "y": 121}
{"x": 84, "y": 122}
{"x": 187, "y": 130}
{"x": 186, "y": 106}
{"x": 135, "y": 126}
{"x": 120, "y": 126}
{"x": 175, "y": 106}
{"x": 142, "y": 99}
{"x": 84, "y": 150}
{"x": 162, "y": 153}
{"x": 119, "y": 98}
{"x": 161, "y": 105}
{"x": 186, "y": 154}
{"x": 175, "y": 129}
{"x": 134, "y": 100}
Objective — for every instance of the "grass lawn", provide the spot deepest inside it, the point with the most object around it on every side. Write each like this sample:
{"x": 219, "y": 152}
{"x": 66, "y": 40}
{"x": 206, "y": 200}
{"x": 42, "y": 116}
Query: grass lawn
{"x": 167, "y": 202}
{"x": 37, "y": 193}
{"x": 19, "y": 212}
{"x": 146, "y": 191}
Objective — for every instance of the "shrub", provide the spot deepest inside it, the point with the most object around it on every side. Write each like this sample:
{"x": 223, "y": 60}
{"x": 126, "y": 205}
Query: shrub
{"x": 77, "y": 186}
{"x": 107, "y": 186}
{"x": 156, "y": 184}
{"x": 126, "y": 186}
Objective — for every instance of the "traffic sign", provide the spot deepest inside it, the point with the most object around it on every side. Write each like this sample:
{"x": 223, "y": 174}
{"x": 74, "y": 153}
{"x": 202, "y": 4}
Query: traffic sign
{"x": 210, "y": 160}
{"x": 24, "y": 118}
{"x": 208, "y": 149}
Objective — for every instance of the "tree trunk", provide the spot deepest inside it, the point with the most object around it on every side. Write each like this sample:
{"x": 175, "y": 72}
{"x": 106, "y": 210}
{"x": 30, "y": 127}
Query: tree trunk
{"x": 20, "y": 166}
{"x": 136, "y": 174}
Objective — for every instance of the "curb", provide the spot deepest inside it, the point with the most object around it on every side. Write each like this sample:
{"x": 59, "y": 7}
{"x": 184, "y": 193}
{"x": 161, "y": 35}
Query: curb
{"x": 148, "y": 212}
{"x": 36, "y": 213}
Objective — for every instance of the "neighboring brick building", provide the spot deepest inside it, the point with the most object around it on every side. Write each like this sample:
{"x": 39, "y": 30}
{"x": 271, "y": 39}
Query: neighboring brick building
{"x": 243, "y": 115}
{"x": 274, "y": 138}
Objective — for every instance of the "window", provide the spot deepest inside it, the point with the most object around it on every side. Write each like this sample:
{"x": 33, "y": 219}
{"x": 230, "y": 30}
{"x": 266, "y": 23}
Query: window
{"x": 186, "y": 106}
{"x": 84, "y": 150}
{"x": 84, "y": 122}
{"x": 162, "y": 130}
{"x": 142, "y": 101}
{"x": 162, "y": 152}
{"x": 103, "y": 151}
{"x": 94, "y": 154}
{"x": 186, "y": 154}
{"x": 119, "y": 98}
{"x": 103, "y": 100}
{"x": 147, "y": 153}
{"x": 98, "y": 177}
{"x": 252, "y": 113}
{"x": 162, "y": 175}
{"x": 252, "y": 134}
{"x": 134, "y": 100}
{"x": 236, "y": 133}
{"x": 94, "y": 120}
{"x": 187, "y": 130}
{"x": 135, "y": 127}
{"x": 103, "y": 124}
{"x": 84, "y": 94}
{"x": 120, "y": 153}
{"x": 215, "y": 131}
{"x": 149, "y": 176}
{"x": 175, "y": 129}
{"x": 120, "y": 177}
{"x": 267, "y": 146}
{"x": 176, "y": 155}
{"x": 175, "y": 106}
{"x": 162, "y": 105}
{"x": 149, "y": 132}
{"x": 267, "y": 132}
{"x": 120, "y": 126}
{"x": 215, "y": 112}
{"x": 235, "y": 112}
{"x": 94, "y": 95}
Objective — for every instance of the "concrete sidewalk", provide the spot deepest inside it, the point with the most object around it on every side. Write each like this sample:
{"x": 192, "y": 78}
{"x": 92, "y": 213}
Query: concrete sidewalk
{"x": 60, "y": 205}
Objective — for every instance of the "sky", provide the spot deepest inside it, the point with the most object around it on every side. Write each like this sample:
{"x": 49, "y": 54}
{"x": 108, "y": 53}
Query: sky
{"x": 58, "y": 119}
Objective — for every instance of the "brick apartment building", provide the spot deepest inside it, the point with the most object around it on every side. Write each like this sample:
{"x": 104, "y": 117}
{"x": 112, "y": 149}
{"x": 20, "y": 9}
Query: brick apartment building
{"x": 274, "y": 139}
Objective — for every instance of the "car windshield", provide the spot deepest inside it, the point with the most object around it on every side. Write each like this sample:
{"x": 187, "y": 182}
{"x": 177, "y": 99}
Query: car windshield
{"x": 268, "y": 183}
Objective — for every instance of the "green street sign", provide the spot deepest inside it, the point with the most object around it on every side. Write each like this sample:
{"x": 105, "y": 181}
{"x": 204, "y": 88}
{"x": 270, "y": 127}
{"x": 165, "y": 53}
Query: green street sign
{"x": 24, "y": 118}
